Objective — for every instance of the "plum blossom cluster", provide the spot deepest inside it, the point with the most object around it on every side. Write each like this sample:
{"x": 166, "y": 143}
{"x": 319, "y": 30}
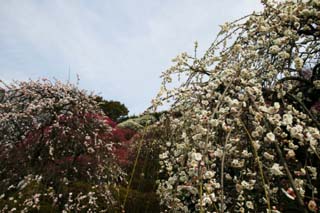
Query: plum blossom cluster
{"x": 55, "y": 139}
{"x": 49, "y": 200}
{"x": 244, "y": 121}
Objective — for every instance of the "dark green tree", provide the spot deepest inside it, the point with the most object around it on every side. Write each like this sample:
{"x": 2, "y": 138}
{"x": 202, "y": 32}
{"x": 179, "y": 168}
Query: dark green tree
{"x": 114, "y": 109}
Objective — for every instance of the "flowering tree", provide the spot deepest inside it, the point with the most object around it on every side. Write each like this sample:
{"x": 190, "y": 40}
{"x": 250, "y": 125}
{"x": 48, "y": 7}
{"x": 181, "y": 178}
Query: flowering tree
{"x": 245, "y": 120}
{"x": 55, "y": 149}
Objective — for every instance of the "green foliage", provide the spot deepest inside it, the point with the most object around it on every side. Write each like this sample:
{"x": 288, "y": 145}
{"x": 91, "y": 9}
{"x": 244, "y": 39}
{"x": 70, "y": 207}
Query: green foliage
{"x": 130, "y": 124}
{"x": 145, "y": 120}
{"x": 137, "y": 123}
{"x": 114, "y": 109}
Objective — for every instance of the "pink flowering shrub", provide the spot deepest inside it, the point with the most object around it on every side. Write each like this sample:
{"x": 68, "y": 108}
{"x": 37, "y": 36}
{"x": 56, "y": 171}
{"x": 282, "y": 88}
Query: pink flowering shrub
{"x": 123, "y": 139}
{"x": 55, "y": 138}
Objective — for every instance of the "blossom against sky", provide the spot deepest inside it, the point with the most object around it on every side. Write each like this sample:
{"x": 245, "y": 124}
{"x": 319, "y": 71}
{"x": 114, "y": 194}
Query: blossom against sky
{"x": 118, "y": 48}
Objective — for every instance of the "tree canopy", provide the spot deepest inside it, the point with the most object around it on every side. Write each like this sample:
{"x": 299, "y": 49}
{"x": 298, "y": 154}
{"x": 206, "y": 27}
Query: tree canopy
{"x": 114, "y": 109}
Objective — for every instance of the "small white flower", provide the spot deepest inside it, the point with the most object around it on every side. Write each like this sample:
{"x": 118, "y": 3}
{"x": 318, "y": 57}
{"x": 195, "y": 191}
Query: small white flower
{"x": 206, "y": 200}
{"x": 241, "y": 97}
{"x": 293, "y": 146}
{"x": 263, "y": 29}
{"x": 163, "y": 156}
{"x": 237, "y": 47}
{"x": 284, "y": 55}
{"x": 313, "y": 172}
{"x": 214, "y": 122}
{"x": 276, "y": 105}
{"x": 291, "y": 154}
{"x": 91, "y": 150}
{"x": 274, "y": 49}
{"x": 256, "y": 145}
{"x": 228, "y": 176}
{"x": 194, "y": 163}
{"x": 270, "y": 137}
{"x": 246, "y": 154}
{"x": 205, "y": 102}
{"x": 213, "y": 197}
{"x": 209, "y": 175}
{"x": 249, "y": 205}
{"x": 268, "y": 156}
{"x": 317, "y": 84}
{"x": 247, "y": 185}
{"x": 287, "y": 119}
{"x": 255, "y": 134}
{"x": 237, "y": 164}
{"x": 225, "y": 27}
{"x": 51, "y": 150}
{"x": 298, "y": 63}
{"x": 197, "y": 156}
{"x": 276, "y": 169}
{"x": 239, "y": 187}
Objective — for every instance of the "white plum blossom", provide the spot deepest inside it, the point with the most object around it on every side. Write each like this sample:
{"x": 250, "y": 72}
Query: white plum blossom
{"x": 298, "y": 63}
{"x": 268, "y": 156}
{"x": 197, "y": 156}
{"x": 270, "y": 137}
{"x": 249, "y": 205}
{"x": 276, "y": 170}
{"x": 245, "y": 112}
{"x": 316, "y": 84}
{"x": 209, "y": 174}
{"x": 287, "y": 119}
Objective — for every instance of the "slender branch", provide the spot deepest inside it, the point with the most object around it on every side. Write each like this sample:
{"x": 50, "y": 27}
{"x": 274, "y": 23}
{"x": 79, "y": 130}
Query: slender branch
{"x": 315, "y": 151}
{"x": 259, "y": 164}
{"x": 284, "y": 163}
{"x": 314, "y": 72}
{"x": 202, "y": 71}
{"x": 200, "y": 193}
{"x": 222, "y": 171}
{"x": 295, "y": 78}
{"x": 133, "y": 170}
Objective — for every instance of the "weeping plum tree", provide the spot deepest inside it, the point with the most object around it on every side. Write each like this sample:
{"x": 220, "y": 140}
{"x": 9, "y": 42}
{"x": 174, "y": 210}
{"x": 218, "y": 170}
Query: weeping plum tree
{"x": 244, "y": 122}
{"x": 56, "y": 150}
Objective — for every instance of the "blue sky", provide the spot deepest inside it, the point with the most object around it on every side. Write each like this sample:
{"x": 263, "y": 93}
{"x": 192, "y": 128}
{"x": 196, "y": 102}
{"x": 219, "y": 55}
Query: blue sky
{"x": 117, "y": 47}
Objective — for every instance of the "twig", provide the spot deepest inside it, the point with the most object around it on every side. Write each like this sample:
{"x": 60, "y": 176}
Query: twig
{"x": 200, "y": 193}
{"x": 284, "y": 163}
{"x": 295, "y": 78}
{"x": 222, "y": 171}
{"x": 133, "y": 171}
{"x": 259, "y": 164}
